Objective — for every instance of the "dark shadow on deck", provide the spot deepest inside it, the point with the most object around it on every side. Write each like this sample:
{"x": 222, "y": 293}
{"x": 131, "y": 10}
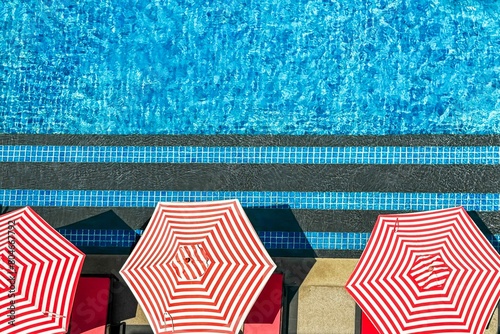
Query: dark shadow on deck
{"x": 107, "y": 220}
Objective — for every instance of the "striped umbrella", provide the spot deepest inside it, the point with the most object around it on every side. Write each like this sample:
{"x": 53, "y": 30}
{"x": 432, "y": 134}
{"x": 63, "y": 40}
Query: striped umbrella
{"x": 428, "y": 272}
{"x": 199, "y": 267}
{"x": 39, "y": 271}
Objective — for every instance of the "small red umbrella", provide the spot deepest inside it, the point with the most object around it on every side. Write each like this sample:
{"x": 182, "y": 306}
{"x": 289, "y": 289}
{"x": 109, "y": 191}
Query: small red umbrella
{"x": 198, "y": 267}
{"x": 39, "y": 272}
{"x": 427, "y": 272}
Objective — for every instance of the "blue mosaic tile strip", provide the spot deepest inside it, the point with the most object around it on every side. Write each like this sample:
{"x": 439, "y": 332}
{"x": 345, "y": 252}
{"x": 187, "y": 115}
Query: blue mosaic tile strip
{"x": 434, "y": 155}
{"x": 270, "y": 239}
{"x": 495, "y": 241}
{"x": 100, "y": 238}
{"x": 314, "y": 240}
{"x": 254, "y": 199}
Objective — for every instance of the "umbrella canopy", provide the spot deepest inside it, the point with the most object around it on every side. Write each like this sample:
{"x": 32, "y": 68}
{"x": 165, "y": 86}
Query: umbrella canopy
{"x": 198, "y": 267}
{"x": 39, "y": 272}
{"x": 428, "y": 272}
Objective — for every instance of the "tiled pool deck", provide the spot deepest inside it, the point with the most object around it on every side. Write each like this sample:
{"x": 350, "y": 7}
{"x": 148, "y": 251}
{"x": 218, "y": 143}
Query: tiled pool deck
{"x": 311, "y": 200}
{"x": 258, "y": 199}
{"x": 76, "y": 176}
{"x": 418, "y": 155}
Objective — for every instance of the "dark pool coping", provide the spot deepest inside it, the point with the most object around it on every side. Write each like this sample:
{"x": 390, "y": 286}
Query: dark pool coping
{"x": 249, "y": 140}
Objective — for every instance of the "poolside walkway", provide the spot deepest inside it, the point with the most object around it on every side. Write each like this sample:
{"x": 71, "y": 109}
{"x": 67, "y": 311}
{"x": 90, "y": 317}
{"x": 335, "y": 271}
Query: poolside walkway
{"x": 317, "y": 300}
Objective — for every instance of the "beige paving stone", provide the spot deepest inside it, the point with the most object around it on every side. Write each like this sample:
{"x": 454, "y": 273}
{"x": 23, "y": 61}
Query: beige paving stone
{"x": 330, "y": 272}
{"x": 325, "y": 310}
{"x": 493, "y": 325}
{"x": 324, "y": 305}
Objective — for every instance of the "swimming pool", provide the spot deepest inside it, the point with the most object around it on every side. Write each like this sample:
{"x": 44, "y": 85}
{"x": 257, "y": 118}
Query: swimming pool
{"x": 348, "y": 67}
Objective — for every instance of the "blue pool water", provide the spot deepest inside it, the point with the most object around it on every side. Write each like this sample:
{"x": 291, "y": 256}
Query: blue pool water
{"x": 295, "y": 67}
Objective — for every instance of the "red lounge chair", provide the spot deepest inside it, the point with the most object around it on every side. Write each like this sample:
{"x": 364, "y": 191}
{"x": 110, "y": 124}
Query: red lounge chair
{"x": 265, "y": 316}
{"x": 367, "y": 326}
{"x": 92, "y": 305}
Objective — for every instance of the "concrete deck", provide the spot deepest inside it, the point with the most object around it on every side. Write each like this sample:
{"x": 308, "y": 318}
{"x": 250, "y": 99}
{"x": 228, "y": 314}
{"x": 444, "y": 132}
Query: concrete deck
{"x": 317, "y": 302}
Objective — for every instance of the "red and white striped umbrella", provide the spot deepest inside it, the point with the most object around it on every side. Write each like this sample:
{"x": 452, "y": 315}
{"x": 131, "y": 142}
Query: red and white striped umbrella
{"x": 427, "y": 272}
{"x": 198, "y": 267}
{"x": 39, "y": 272}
